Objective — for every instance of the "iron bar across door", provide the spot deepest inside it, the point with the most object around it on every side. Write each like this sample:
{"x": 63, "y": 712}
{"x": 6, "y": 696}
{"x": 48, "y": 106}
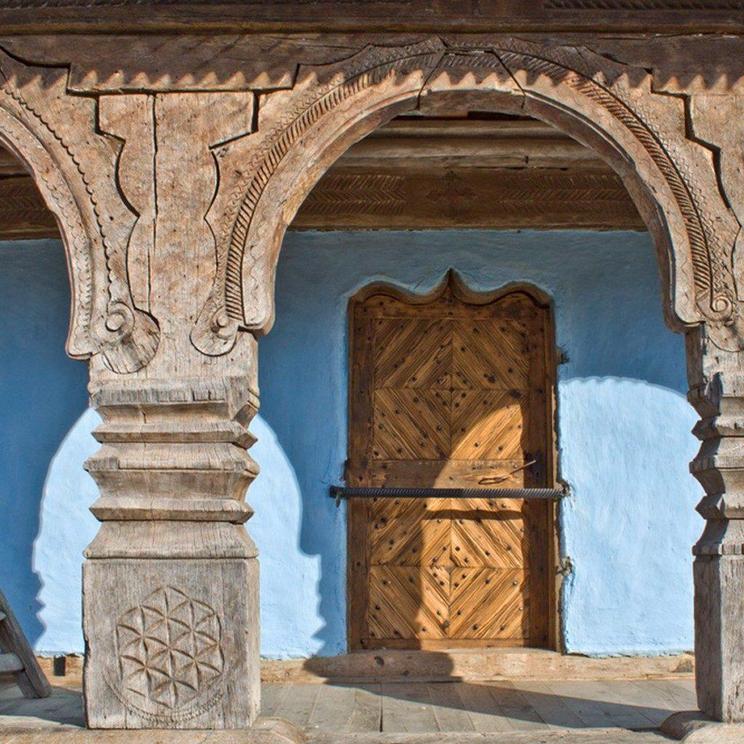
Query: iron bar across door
{"x": 550, "y": 494}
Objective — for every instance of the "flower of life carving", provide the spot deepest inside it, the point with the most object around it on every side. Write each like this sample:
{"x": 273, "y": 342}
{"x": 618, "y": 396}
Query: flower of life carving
{"x": 169, "y": 649}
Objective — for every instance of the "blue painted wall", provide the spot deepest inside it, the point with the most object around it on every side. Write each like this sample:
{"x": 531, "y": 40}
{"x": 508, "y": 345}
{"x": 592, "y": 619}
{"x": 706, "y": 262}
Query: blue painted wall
{"x": 623, "y": 434}
{"x": 43, "y": 395}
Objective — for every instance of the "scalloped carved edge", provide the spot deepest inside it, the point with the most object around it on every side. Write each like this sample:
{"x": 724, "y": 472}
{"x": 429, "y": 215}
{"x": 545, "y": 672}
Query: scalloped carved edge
{"x": 58, "y": 197}
{"x": 125, "y": 336}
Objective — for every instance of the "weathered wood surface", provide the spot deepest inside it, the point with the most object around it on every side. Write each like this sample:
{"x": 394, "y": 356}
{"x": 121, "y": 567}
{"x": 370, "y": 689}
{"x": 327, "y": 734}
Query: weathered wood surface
{"x": 481, "y": 664}
{"x": 487, "y": 707}
{"x": 421, "y": 174}
{"x": 497, "y": 173}
{"x": 454, "y": 708}
{"x": 466, "y": 664}
{"x": 17, "y": 657}
{"x": 415, "y": 15}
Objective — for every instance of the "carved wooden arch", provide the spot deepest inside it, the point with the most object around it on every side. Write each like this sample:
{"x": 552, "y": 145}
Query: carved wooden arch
{"x": 605, "y": 105}
{"x": 58, "y": 198}
{"x": 77, "y": 189}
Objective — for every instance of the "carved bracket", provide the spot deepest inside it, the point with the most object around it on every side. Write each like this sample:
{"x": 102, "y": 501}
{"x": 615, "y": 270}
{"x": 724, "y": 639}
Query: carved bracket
{"x": 75, "y": 167}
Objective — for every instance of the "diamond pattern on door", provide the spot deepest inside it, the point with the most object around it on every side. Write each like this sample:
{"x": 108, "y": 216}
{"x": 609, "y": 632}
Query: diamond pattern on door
{"x": 408, "y": 602}
{"x": 488, "y": 603}
{"x": 490, "y": 354}
{"x": 483, "y": 534}
{"x": 488, "y": 424}
{"x": 410, "y": 532}
{"x": 411, "y": 424}
{"x": 413, "y": 353}
{"x": 455, "y": 387}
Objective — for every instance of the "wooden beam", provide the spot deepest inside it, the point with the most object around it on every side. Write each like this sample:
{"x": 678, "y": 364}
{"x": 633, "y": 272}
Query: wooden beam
{"x": 23, "y": 214}
{"x": 469, "y": 198}
{"x": 642, "y": 16}
{"x": 417, "y": 142}
{"x": 10, "y": 165}
{"x": 418, "y": 173}
{"x": 488, "y": 173}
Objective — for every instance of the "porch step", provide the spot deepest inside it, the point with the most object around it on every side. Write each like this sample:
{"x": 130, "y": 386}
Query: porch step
{"x": 472, "y": 665}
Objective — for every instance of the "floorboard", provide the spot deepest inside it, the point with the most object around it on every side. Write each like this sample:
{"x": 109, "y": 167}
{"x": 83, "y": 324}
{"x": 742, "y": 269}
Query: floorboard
{"x": 553, "y": 710}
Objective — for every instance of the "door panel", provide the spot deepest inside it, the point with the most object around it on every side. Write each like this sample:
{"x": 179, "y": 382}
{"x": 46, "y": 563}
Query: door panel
{"x": 408, "y": 603}
{"x": 489, "y": 604}
{"x": 446, "y": 391}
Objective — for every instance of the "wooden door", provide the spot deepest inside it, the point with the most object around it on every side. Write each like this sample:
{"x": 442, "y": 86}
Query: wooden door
{"x": 447, "y": 390}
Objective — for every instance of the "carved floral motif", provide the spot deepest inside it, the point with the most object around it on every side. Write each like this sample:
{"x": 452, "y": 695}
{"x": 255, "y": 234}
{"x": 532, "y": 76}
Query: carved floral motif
{"x": 169, "y": 650}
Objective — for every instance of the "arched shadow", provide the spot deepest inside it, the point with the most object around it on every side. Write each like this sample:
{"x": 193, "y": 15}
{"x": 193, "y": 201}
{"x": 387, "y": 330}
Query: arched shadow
{"x": 66, "y": 528}
{"x": 43, "y": 394}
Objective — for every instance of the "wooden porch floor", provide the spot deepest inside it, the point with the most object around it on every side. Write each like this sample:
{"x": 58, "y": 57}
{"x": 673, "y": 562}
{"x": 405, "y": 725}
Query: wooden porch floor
{"x": 344, "y": 712}
{"x": 478, "y": 707}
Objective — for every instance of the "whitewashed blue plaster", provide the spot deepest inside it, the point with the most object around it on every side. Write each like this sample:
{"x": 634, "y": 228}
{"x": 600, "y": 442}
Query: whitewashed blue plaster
{"x": 43, "y": 394}
{"x": 624, "y": 434}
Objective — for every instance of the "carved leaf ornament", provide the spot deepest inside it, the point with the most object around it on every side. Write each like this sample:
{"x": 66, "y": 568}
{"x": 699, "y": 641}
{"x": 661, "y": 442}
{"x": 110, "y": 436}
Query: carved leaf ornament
{"x": 241, "y": 298}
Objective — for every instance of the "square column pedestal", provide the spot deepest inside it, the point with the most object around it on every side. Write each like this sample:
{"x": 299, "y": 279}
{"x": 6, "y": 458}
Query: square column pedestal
{"x": 172, "y": 642}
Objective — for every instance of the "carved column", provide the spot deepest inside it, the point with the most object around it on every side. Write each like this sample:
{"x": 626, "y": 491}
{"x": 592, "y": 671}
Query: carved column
{"x": 717, "y": 392}
{"x": 171, "y": 580}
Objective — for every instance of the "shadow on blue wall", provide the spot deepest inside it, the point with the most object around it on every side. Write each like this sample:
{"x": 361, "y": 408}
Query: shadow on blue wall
{"x": 43, "y": 393}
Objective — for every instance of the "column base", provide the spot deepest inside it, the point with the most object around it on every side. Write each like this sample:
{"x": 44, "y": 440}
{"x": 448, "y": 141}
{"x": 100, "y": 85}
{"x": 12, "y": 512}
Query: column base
{"x": 171, "y": 643}
{"x": 719, "y": 635}
{"x": 694, "y": 727}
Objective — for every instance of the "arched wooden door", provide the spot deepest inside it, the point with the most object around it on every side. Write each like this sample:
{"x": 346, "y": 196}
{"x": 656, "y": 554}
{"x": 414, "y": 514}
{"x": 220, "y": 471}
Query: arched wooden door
{"x": 447, "y": 390}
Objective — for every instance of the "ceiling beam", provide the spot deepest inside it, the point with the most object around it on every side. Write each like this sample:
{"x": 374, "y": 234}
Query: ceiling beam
{"x": 417, "y": 173}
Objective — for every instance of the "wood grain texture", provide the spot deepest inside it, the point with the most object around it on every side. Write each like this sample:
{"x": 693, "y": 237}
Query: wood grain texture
{"x": 175, "y": 163}
{"x": 333, "y": 15}
{"x": 405, "y": 175}
{"x": 478, "y": 197}
{"x": 449, "y": 378}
